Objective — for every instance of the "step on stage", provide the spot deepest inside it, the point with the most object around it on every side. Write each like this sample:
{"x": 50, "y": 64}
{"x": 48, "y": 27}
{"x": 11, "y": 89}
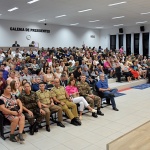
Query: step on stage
{"x": 137, "y": 139}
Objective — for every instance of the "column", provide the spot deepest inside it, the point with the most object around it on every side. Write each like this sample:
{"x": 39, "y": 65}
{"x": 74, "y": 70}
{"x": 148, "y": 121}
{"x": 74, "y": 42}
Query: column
{"x": 140, "y": 45}
{"x": 117, "y": 42}
{"x": 124, "y": 43}
{"x": 149, "y": 46}
{"x": 132, "y": 43}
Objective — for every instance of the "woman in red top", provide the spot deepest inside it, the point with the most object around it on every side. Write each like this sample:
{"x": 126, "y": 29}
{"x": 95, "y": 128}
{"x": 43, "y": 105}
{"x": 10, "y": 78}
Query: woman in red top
{"x": 72, "y": 91}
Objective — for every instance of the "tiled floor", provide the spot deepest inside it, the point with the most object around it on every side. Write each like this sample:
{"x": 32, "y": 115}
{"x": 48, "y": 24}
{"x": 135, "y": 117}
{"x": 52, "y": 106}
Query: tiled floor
{"x": 94, "y": 133}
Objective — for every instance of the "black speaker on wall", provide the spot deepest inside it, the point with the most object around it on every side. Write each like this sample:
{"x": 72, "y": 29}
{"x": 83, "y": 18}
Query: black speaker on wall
{"x": 120, "y": 30}
{"x": 142, "y": 28}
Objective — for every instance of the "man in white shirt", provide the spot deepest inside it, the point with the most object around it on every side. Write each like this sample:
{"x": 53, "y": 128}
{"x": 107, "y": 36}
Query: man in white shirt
{"x": 35, "y": 52}
{"x": 72, "y": 60}
{"x": 17, "y": 54}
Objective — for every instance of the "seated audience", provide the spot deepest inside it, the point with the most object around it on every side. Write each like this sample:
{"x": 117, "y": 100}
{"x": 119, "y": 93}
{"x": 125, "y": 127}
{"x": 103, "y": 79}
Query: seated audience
{"x": 63, "y": 80}
{"x": 48, "y": 106}
{"x": 126, "y": 72}
{"x": 103, "y": 87}
{"x": 25, "y": 75}
{"x": 63, "y": 100}
{"x": 86, "y": 92}
{"x": 5, "y": 73}
{"x": 14, "y": 88}
{"x": 76, "y": 98}
{"x": 77, "y": 73}
{"x": 57, "y": 73}
{"x": 11, "y": 107}
{"x": 21, "y": 88}
{"x": 32, "y": 107}
{"x": 35, "y": 85}
{"x": 2, "y": 82}
{"x": 13, "y": 77}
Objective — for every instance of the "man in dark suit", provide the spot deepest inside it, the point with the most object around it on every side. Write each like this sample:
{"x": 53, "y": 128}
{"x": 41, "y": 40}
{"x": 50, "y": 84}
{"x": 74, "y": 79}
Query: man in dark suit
{"x": 63, "y": 80}
{"x": 16, "y": 44}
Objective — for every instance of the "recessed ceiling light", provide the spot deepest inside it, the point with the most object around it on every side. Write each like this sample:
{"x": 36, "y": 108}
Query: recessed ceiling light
{"x": 141, "y": 22}
{"x": 60, "y": 16}
{"x": 118, "y": 25}
{"x": 42, "y": 20}
{"x": 117, "y": 3}
{"x": 145, "y": 13}
{"x": 118, "y": 17}
{"x": 94, "y": 21}
{"x": 33, "y": 1}
{"x": 99, "y": 27}
{"x": 0, "y": 14}
{"x": 84, "y": 10}
{"x": 74, "y": 24}
{"x": 12, "y": 9}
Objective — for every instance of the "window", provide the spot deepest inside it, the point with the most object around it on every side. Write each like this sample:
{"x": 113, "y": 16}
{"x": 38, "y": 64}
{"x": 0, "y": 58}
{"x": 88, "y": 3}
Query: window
{"x": 113, "y": 42}
{"x": 145, "y": 44}
{"x": 128, "y": 44}
{"x": 136, "y": 43}
{"x": 120, "y": 40}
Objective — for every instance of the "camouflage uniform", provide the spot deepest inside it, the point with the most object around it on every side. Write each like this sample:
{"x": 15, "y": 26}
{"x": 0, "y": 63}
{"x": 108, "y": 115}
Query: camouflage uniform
{"x": 85, "y": 90}
{"x": 30, "y": 102}
{"x": 44, "y": 98}
{"x": 60, "y": 94}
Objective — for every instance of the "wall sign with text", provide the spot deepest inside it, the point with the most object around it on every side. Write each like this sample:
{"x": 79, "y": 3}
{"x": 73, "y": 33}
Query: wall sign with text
{"x": 29, "y": 30}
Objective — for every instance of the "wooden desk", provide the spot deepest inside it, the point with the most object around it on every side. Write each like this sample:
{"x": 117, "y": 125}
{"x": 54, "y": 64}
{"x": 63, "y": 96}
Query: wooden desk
{"x": 21, "y": 48}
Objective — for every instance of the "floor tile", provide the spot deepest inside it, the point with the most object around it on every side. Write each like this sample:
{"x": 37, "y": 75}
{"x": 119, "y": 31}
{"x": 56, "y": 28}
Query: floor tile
{"x": 77, "y": 144}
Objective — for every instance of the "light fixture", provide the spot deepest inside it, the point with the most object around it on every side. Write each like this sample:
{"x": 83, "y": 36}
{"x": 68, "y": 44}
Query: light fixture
{"x": 145, "y": 13}
{"x": 74, "y": 24}
{"x": 0, "y": 14}
{"x": 33, "y": 1}
{"x": 118, "y": 25}
{"x": 117, "y": 3}
{"x": 84, "y": 10}
{"x": 60, "y": 16}
{"x": 12, "y": 9}
{"x": 99, "y": 27}
{"x": 94, "y": 21}
{"x": 118, "y": 17}
{"x": 141, "y": 22}
{"x": 42, "y": 20}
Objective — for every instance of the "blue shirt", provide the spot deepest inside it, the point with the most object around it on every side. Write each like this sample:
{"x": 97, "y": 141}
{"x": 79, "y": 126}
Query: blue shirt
{"x": 102, "y": 84}
{"x": 35, "y": 87}
{"x": 5, "y": 74}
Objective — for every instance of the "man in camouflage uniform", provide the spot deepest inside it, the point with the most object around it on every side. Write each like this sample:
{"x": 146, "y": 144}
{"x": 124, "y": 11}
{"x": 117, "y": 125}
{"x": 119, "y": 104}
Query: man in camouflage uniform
{"x": 32, "y": 107}
{"x": 48, "y": 105}
{"x": 85, "y": 90}
{"x": 63, "y": 100}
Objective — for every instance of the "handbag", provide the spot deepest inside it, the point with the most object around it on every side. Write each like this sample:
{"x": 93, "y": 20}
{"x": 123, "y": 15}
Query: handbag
{"x": 15, "y": 108}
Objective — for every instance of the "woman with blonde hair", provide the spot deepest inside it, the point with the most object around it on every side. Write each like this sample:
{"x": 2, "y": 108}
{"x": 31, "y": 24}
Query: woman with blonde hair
{"x": 14, "y": 89}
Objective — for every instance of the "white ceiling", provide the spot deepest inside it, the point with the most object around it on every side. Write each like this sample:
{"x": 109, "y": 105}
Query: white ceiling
{"x": 100, "y": 11}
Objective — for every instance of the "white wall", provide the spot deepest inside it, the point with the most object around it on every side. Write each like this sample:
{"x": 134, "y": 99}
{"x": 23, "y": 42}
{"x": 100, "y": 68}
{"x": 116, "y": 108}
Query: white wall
{"x": 105, "y": 36}
{"x": 63, "y": 36}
